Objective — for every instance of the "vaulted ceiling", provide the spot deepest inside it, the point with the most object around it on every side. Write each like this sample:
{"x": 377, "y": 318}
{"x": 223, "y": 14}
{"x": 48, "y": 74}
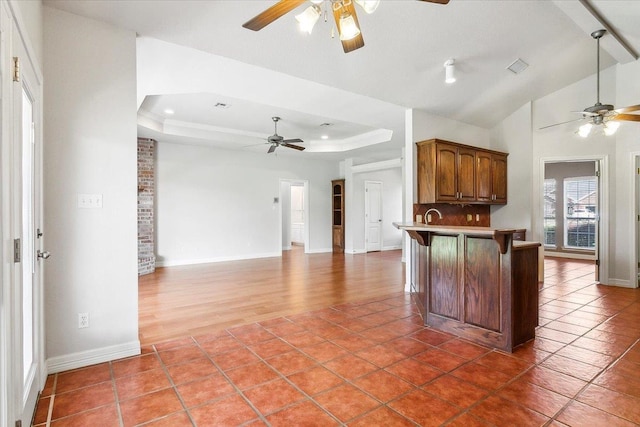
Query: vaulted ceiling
{"x": 308, "y": 80}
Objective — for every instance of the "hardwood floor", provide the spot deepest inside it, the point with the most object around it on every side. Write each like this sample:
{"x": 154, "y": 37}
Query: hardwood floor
{"x": 178, "y": 302}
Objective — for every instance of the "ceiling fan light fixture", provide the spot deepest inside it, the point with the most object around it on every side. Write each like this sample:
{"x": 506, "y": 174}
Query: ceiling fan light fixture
{"x": 348, "y": 28}
{"x": 369, "y": 6}
{"x": 449, "y": 71}
{"x": 610, "y": 128}
{"x": 308, "y": 18}
{"x": 584, "y": 130}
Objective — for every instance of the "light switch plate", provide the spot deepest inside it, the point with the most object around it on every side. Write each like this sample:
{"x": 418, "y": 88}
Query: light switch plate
{"x": 90, "y": 201}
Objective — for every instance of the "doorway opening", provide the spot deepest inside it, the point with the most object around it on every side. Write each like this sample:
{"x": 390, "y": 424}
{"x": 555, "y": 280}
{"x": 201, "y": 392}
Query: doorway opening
{"x": 294, "y": 214}
{"x": 373, "y": 216}
{"x": 573, "y": 202}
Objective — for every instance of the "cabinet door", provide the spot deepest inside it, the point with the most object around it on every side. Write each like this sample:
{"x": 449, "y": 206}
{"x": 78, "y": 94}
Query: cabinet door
{"x": 426, "y": 163}
{"x": 499, "y": 178}
{"x": 484, "y": 193}
{"x": 446, "y": 176}
{"x": 466, "y": 175}
{"x": 338, "y": 242}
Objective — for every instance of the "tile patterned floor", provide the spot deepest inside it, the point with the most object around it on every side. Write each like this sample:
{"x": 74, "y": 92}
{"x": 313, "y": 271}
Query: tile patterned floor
{"x": 372, "y": 364}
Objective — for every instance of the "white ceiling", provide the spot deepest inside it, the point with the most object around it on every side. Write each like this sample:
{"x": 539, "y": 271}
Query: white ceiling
{"x": 308, "y": 80}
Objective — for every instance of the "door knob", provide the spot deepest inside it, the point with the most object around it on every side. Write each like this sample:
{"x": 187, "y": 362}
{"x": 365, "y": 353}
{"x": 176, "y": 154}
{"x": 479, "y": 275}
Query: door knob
{"x": 44, "y": 255}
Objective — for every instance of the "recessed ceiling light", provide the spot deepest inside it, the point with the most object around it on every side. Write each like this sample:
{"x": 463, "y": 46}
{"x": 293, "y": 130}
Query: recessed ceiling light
{"x": 324, "y": 137}
{"x": 326, "y": 124}
{"x": 517, "y": 66}
{"x": 169, "y": 111}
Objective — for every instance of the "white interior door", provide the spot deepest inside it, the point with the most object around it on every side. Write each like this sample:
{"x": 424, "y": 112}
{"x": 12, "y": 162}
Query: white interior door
{"x": 373, "y": 215}
{"x": 27, "y": 350}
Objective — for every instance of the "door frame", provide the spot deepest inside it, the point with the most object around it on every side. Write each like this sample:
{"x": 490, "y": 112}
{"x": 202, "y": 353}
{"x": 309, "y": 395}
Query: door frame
{"x": 634, "y": 208}
{"x": 300, "y": 182}
{"x": 366, "y": 214}
{"x": 12, "y": 395}
{"x": 602, "y": 239}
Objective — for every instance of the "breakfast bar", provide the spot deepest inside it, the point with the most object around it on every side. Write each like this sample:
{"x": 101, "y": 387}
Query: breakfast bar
{"x": 475, "y": 282}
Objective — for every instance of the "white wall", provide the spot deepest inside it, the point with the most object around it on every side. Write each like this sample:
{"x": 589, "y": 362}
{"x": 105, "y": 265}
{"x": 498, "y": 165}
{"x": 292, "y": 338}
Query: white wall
{"x": 214, "y": 205}
{"x": 513, "y": 136}
{"x": 391, "y": 207}
{"x": 90, "y": 147}
{"x": 285, "y": 202}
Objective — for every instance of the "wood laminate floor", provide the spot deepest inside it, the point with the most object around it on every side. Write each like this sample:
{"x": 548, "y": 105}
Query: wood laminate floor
{"x": 176, "y": 302}
{"x": 368, "y": 363}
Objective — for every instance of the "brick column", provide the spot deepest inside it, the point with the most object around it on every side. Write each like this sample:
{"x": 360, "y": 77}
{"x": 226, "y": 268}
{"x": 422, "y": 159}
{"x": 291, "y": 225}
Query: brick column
{"x": 146, "y": 197}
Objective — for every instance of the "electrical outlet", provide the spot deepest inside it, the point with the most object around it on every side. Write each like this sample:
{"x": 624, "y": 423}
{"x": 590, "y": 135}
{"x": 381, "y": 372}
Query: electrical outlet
{"x": 428, "y": 217}
{"x": 83, "y": 320}
{"x": 469, "y": 217}
{"x": 477, "y": 217}
{"x": 418, "y": 218}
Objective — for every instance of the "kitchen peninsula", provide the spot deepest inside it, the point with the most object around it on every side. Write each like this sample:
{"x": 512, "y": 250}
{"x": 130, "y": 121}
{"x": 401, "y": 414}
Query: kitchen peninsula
{"x": 475, "y": 282}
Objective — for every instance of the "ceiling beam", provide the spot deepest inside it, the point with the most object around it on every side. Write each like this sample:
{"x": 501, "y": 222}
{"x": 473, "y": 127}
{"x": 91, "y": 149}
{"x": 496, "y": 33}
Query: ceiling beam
{"x": 585, "y": 15}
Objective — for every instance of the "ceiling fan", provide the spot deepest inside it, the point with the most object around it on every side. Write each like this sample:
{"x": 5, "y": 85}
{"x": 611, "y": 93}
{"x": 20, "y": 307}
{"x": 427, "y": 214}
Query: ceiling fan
{"x": 276, "y": 140}
{"x": 344, "y": 13}
{"x": 602, "y": 114}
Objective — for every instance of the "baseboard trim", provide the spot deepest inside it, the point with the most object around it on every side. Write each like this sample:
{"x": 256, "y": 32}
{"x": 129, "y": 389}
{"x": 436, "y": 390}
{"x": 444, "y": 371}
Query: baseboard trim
{"x": 174, "y": 263}
{"x": 92, "y": 357}
{"x": 392, "y": 248}
{"x": 569, "y": 255}
{"x": 319, "y": 251}
{"x": 620, "y": 283}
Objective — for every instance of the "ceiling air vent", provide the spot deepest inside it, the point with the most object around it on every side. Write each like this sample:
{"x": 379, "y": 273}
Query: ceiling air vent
{"x": 517, "y": 66}
{"x": 221, "y": 105}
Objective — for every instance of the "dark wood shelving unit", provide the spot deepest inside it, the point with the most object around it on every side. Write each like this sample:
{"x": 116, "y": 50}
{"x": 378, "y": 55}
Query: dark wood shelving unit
{"x": 337, "y": 221}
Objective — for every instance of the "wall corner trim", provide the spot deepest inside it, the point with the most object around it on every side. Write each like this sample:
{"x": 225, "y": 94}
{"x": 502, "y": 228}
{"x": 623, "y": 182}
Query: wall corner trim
{"x": 92, "y": 357}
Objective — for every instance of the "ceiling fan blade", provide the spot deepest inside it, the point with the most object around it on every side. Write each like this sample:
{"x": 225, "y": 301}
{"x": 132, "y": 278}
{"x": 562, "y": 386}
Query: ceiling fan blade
{"x": 627, "y": 117}
{"x": 272, "y": 148}
{"x": 295, "y": 147}
{"x": 561, "y": 123}
{"x": 265, "y": 18}
{"x": 298, "y": 140}
{"x": 436, "y": 1}
{"x": 627, "y": 109}
{"x": 357, "y": 42}
{"x": 585, "y": 113}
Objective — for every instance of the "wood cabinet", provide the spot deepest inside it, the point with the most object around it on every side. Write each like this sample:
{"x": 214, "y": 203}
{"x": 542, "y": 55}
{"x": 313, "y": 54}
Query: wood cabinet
{"x": 337, "y": 221}
{"x": 454, "y": 173}
{"x": 477, "y": 284}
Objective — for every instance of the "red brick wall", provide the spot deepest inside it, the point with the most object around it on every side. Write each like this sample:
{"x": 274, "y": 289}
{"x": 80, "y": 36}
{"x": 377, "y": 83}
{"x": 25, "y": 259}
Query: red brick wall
{"x": 146, "y": 197}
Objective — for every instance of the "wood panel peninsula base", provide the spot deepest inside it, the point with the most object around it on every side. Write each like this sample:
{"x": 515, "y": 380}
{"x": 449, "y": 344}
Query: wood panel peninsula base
{"x": 475, "y": 282}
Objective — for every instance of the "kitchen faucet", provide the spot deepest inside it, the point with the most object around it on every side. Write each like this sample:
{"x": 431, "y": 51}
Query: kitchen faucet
{"x": 427, "y": 217}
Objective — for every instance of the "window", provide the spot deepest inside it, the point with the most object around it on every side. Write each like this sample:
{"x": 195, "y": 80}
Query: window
{"x": 580, "y": 203}
{"x": 550, "y": 212}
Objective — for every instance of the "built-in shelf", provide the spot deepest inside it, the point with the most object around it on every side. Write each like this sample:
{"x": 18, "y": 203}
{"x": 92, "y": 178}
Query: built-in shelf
{"x": 338, "y": 215}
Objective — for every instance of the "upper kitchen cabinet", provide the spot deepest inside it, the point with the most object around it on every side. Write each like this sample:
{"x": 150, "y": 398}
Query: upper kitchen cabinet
{"x": 454, "y": 173}
{"x": 491, "y": 177}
